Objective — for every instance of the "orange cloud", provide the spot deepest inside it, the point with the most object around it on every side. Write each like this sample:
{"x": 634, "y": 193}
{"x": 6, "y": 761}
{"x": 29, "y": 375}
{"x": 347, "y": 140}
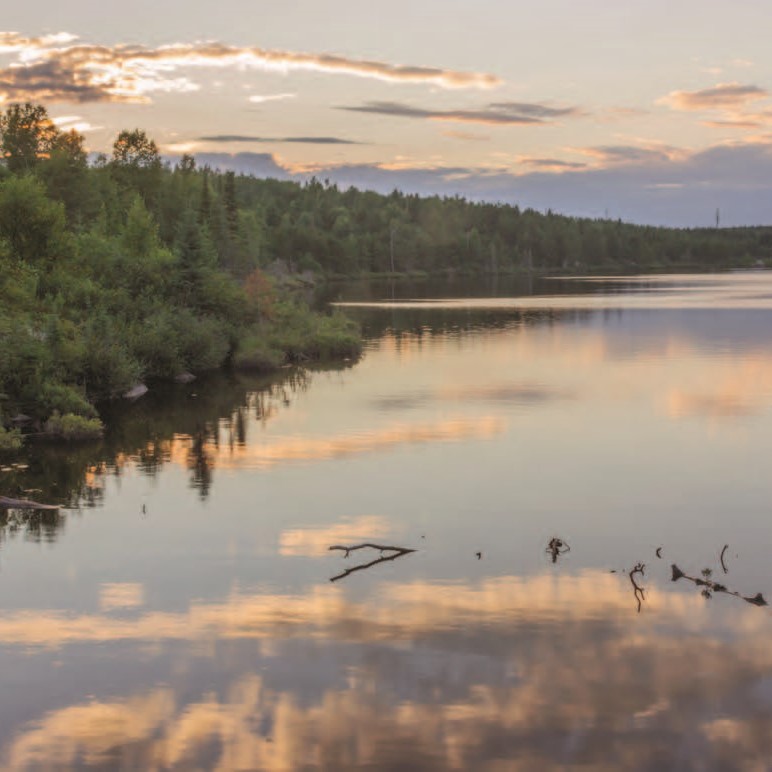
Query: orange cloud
{"x": 58, "y": 69}
{"x": 722, "y": 96}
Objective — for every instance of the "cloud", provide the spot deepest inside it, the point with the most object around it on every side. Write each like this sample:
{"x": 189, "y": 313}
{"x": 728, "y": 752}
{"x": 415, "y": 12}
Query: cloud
{"x": 494, "y": 114}
{"x": 466, "y": 136}
{"x": 552, "y": 164}
{"x": 632, "y": 154}
{"x": 256, "y": 164}
{"x": 734, "y": 123}
{"x": 720, "y": 97}
{"x": 56, "y": 68}
{"x": 74, "y": 123}
{"x": 534, "y": 110}
{"x": 299, "y": 140}
{"x": 648, "y": 183}
{"x": 259, "y": 99}
{"x": 13, "y": 42}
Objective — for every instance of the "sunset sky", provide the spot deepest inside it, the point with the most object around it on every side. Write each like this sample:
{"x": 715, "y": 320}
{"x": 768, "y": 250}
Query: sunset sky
{"x": 654, "y": 112}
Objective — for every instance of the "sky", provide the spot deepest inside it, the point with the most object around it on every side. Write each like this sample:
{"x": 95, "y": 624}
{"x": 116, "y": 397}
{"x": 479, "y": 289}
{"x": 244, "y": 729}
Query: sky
{"x": 656, "y": 112}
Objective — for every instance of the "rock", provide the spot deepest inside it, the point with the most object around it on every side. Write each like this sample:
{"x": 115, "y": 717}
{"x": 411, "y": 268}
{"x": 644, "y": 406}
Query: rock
{"x": 20, "y": 419}
{"x": 184, "y": 378}
{"x": 136, "y": 391}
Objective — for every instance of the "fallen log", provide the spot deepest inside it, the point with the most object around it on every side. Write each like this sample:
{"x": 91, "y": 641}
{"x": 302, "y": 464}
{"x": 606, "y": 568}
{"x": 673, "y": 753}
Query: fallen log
{"x": 8, "y": 503}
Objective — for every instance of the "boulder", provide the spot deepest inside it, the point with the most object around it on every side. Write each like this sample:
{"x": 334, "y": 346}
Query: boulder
{"x": 136, "y": 391}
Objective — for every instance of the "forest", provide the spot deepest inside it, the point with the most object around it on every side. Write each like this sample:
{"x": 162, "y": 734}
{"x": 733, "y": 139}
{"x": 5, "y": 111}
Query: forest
{"x": 318, "y": 227}
{"x": 122, "y": 270}
{"x": 116, "y": 269}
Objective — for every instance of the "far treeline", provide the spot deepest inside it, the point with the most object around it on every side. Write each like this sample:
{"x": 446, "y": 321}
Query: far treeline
{"x": 124, "y": 270}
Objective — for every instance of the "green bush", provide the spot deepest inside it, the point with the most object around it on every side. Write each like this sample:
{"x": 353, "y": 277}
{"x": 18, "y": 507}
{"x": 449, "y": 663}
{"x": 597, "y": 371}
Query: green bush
{"x": 10, "y": 439}
{"x": 255, "y": 354}
{"x": 74, "y": 427}
{"x": 154, "y": 343}
{"x": 203, "y": 341}
{"x": 60, "y": 398}
{"x": 109, "y": 367}
{"x": 303, "y": 334}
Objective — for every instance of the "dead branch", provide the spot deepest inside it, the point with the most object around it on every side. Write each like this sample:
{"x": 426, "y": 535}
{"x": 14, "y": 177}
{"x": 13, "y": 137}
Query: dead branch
{"x": 369, "y": 545}
{"x": 397, "y": 552}
{"x": 709, "y": 586}
{"x": 638, "y": 591}
{"x": 557, "y": 547}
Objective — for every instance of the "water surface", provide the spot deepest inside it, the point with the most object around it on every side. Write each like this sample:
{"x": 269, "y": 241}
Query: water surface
{"x": 178, "y": 613}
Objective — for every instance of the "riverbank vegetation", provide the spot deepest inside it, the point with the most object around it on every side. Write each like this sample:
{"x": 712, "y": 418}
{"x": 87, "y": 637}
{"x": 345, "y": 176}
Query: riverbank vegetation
{"x": 125, "y": 270}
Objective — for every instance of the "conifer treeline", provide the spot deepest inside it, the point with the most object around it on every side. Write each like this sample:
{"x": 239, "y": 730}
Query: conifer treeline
{"x": 124, "y": 270}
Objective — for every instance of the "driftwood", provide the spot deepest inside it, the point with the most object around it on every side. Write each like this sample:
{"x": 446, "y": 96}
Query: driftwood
{"x": 723, "y": 565}
{"x": 638, "y": 591}
{"x": 557, "y": 547}
{"x": 709, "y": 586}
{"x": 396, "y": 552}
{"x": 7, "y": 503}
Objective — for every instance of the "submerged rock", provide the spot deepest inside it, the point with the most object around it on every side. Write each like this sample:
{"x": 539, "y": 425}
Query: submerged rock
{"x": 135, "y": 391}
{"x": 185, "y": 377}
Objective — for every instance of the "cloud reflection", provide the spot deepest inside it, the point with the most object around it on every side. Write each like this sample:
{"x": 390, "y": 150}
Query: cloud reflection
{"x": 124, "y": 595}
{"x": 266, "y": 454}
{"x": 402, "y": 612}
{"x": 539, "y": 671}
{"x": 314, "y": 541}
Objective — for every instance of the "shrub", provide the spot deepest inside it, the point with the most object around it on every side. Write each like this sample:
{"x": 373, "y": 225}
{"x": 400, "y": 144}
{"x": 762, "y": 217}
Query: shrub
{"x": 10, "y": 439}
{"x": 60, "y": 398}
{"x": 154, "y": 342}
{"x": 203, "y": 341}
{"x": 74, "y": 427}
{"x": 255, "y": 354}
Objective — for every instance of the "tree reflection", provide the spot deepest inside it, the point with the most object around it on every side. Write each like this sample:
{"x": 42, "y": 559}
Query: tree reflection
{"x": 36, "y": 525}
{"x": 147, "y": 434}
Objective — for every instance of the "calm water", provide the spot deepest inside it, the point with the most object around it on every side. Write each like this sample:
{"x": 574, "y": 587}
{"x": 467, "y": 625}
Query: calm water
{"x": 179, "y": 613}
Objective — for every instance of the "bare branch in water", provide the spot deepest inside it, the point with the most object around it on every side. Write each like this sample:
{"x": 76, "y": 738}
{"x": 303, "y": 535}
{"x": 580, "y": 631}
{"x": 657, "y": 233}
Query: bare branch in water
{"x": 709, "y": 586}
{"x": 557, "y": 547}
{"x": 638, "y": 591}
{"x": 369, "y": 545}
{"x": 396, "y": 552}
{"x": 723, "y": 565}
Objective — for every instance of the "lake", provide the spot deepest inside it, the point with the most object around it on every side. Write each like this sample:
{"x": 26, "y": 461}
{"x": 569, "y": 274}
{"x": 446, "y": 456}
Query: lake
{"x": 536, "y": 456}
